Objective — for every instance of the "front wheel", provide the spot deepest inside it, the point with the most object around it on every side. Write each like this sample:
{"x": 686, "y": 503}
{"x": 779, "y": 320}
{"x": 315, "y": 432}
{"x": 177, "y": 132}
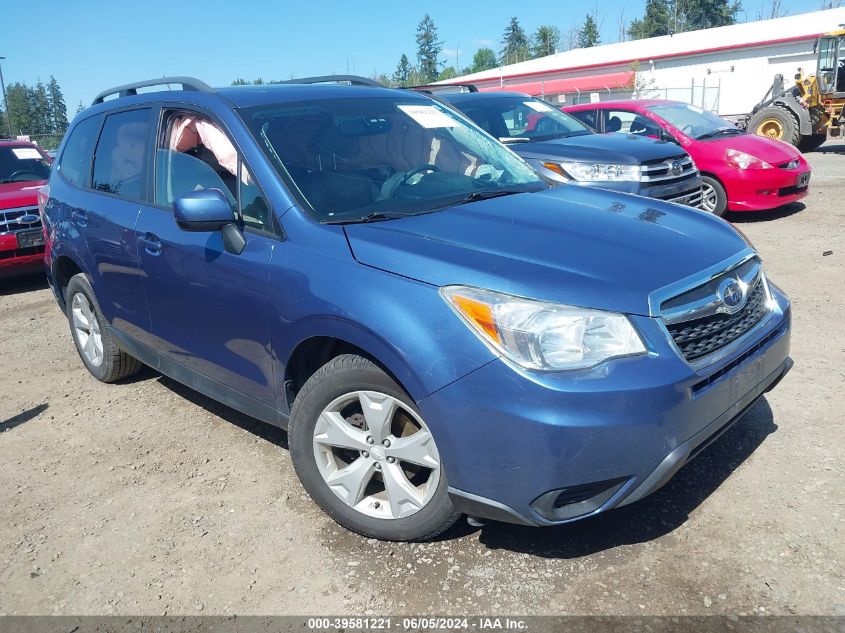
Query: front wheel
{"x": 714, "y": 198}
{"x": 366, "y": 456}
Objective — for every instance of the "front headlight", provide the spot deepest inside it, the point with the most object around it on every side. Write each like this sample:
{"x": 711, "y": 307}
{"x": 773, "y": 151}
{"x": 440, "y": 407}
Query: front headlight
{"x": 741, "y": 160}
{"x": 601, "y": 172}
{"x": 540, "y": 335}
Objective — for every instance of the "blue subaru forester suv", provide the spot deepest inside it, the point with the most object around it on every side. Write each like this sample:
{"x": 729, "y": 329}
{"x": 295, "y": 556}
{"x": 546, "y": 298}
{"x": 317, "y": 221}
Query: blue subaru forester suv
{"x": 439, "y": 331}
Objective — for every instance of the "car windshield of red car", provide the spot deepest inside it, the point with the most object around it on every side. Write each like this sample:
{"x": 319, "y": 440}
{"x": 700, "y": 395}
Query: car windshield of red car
{"x": 22, "y": 163}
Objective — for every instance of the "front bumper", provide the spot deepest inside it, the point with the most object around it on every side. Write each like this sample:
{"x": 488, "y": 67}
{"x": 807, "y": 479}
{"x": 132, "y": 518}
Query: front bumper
{"x": 19, "y": 261}
{"x": 512, "y": 442}
{"x": 760, "y": 190}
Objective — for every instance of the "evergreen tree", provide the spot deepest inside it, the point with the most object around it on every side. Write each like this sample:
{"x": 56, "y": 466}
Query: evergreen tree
{"x": 484, "y": 59}
{"x": 589, "y": 34}
{"x": 403, "y": 71}
{"x": 655, "y": 22}
{"x": 428, "y": 50}
{"x": 79, "y": 108}
{"x": 17, "y": 101}
{"x": 58, "y": 110}
{"x": 240, "y": 82}
{"x": 706, "y": 14}
{"x": 514, "y": 44}
{"x": 447, "y": 73}
{"x": 545, "y": 41}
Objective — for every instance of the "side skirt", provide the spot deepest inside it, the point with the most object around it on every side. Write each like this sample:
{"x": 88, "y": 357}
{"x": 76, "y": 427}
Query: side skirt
{"x": 202, "y": 383}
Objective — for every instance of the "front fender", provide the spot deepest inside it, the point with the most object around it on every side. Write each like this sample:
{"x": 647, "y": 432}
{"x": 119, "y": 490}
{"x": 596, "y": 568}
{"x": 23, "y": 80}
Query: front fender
{"x": 319, "y": 290}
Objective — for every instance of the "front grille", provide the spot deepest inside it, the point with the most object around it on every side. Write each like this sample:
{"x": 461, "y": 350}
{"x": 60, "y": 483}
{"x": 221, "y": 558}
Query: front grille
{"x": 669, "y": 171}
{"x": 690, "y": 198}
{"x": 702, "y": 336}
{"x": 792, "y": 164}
{"x": 21, "y": 252}
{"x": 10, "y": 220}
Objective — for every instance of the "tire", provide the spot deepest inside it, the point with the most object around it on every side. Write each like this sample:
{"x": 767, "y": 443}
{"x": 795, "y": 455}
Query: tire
{"x": 111, "y": 363}
{"x": 814, "y": 141}
{"x": 714, "y": 198}
{"x": 776, "y": 122}
{"x": 334, "y": 393}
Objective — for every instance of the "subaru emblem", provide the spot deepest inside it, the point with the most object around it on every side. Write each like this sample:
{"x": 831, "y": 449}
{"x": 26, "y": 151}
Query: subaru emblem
{"x": 732, "y": 295}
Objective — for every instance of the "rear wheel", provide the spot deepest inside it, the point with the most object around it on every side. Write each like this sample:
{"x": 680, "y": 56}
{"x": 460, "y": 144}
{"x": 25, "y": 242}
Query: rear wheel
{"x": 365, "y": 455}
{"x": 776, "y": 122}
{"x": 92, "y": 335}
{"x": 714, "y": 198}
{"x": 809, "y": 143}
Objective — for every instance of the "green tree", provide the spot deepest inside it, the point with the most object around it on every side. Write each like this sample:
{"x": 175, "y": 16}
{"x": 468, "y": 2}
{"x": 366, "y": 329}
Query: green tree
{"x": 589, "y": 34}
{"x": 428, "y": 49}
{"x": 20, "y": 112}
{"x": 58, "y": 109}
{"x": 447, "y": 73}
{"x": 655, "y": 21}
{"x": 545, "y": 41}
{"x": 403, "y": 71}
{"x": 79, "y": 108}
{"x": 514, "y": 44}
{"x": 706, "y": 14}
{"x": 484, "y": 59}
{"x": 240, "y": 82}
{"x": 39, "y": 110}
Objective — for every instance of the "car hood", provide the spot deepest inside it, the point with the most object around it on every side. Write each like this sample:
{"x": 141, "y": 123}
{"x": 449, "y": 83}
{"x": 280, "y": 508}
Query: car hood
{"x": 626, "y": 149}
{"x": 771, "y": 151}
{"x": 573, "y": 245}
{"x": 19, "y": 194}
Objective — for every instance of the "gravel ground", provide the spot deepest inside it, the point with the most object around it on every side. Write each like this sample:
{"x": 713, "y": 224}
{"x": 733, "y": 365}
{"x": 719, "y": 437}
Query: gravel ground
{"x": 148, "y": 498}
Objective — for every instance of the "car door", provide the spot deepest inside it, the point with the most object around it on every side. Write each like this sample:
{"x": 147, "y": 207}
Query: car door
{"x": 210, "y": 309}
{"x": 103, "y": 204}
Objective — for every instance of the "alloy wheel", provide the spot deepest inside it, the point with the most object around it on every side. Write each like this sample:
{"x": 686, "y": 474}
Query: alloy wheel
{"x": 86, "y": 328}
{"x": 709, "y": 198}
{"x": 376, "y": 455}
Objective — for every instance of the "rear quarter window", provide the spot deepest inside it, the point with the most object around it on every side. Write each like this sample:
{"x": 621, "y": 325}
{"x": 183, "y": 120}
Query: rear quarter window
{"x": 75, "y": 162}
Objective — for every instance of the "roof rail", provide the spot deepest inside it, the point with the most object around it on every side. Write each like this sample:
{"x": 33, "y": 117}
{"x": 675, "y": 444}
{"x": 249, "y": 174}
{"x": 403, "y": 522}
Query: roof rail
{"x": 187, "y": 83}
{"x": 445, "y": 88}
{"x": 355, "y": 80}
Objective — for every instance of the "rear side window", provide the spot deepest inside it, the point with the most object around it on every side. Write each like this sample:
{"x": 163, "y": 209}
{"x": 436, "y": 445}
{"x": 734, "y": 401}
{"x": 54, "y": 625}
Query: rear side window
{"x": 121, "y": 158}
{"x": 587, "y": 117}
{"x": 75, "y": 162}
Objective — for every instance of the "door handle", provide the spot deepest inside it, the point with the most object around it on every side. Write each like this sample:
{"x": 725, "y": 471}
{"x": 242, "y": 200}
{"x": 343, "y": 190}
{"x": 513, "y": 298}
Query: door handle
{"x": 79, "y": 216}
{"x": 151, "y": 243}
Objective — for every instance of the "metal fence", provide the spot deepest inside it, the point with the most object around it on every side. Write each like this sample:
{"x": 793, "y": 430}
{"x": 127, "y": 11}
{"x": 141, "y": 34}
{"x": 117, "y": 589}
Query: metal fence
{"x": 44, "y": 141}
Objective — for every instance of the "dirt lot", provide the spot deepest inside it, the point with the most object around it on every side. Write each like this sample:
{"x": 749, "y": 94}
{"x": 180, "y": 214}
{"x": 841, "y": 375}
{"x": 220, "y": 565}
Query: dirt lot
{"x": 147, "y": 498}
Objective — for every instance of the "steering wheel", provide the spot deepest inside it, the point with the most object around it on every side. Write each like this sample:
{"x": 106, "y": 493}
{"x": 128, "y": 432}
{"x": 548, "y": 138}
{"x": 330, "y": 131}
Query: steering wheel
{"x": 400, "y": 179}
{"x": 13, "y": 176}
{"x": 417, "y": 170}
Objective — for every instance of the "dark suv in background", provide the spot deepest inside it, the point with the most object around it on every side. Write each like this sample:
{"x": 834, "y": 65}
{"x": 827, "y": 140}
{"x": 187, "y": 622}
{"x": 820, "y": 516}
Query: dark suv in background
{"x": 561, "y": 148}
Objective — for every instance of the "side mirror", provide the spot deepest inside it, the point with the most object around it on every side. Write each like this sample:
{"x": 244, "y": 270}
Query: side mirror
{"x": 208, "y": 210}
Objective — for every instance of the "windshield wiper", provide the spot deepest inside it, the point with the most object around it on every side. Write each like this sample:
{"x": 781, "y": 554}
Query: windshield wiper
{"x": 514, "y": 139}
{"x": 719, "y": 132}
{"x": 376, "y": 216}
{"x": 475, "y": 196}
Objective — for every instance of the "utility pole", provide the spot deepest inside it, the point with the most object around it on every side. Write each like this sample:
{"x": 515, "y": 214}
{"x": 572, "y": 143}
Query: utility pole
{"x": 5, "y": 102}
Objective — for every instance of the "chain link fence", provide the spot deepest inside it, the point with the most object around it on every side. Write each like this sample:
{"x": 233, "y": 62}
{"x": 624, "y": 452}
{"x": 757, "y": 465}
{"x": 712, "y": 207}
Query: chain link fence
{"x": 701, "y": 95}
{"x": 47, "y": 142}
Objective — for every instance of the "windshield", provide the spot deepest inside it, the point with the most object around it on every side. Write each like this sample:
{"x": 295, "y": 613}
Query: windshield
{"x": 517, "y": 118}
{"x": 355, "y": 159}
{"x": 22, "y": 164}
{"x": 695, "y": 122}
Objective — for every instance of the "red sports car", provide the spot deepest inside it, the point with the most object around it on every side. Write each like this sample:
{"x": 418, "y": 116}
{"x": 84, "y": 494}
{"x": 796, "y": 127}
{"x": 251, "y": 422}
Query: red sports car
{"x": 740, "y": 171}
{"x": 24, "y": 168}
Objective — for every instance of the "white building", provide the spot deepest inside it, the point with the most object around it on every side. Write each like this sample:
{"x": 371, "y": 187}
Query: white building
{"x": 726, "y": 69}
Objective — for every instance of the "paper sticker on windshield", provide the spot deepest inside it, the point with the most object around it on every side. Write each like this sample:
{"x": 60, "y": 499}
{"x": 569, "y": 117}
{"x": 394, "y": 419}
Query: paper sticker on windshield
{"x": 538, "y": 106}
{"x": 428, "y": 116}
{"x": 26, "y": 153}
